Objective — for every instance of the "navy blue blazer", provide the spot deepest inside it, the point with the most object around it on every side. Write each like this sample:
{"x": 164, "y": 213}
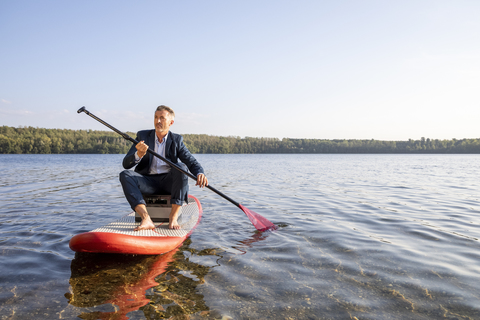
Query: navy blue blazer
{"x": 175, "y": 150}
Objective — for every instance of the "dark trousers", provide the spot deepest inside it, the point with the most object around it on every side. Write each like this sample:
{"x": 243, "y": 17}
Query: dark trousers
{"x": 136, "y": 185}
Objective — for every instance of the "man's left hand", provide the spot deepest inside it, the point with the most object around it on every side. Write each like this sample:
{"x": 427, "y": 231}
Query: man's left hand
{"x": 202, "y": 180}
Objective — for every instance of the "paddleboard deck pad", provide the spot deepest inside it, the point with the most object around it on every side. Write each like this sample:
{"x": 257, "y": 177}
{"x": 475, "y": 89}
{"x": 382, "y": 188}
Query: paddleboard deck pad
{"x": 119, "y": 237}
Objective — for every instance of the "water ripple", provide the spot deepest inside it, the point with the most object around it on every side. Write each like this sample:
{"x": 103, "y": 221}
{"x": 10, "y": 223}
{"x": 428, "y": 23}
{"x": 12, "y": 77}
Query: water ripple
{"x": 360, "y": 236}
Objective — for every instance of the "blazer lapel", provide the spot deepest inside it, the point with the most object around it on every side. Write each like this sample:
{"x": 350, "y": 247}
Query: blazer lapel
{"x": 167, "y": 145}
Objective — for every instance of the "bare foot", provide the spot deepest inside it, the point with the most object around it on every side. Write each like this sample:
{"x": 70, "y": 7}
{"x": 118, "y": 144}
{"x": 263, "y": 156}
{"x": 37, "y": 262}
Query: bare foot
{"x": 147, "y": 223}
{"x": 173, "y": 224}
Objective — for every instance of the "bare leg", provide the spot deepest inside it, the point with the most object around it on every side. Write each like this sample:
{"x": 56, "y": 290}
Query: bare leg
{"x": 174, "y": 216}
{"x": 147, "y": 223}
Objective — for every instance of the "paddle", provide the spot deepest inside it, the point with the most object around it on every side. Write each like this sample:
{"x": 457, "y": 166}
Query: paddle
{"x": 257, "y": 220}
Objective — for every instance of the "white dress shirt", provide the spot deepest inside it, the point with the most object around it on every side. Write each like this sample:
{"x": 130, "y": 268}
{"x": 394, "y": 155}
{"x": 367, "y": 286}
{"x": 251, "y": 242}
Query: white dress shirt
{"x": 157, "y": 166}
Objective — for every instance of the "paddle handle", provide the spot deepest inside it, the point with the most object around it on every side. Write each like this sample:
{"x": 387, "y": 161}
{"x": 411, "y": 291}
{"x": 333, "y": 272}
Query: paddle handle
{"x": 170, "y": 163}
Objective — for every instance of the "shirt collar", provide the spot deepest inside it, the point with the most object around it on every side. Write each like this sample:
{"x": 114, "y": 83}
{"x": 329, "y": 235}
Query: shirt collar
{"x": 164, "y": 138}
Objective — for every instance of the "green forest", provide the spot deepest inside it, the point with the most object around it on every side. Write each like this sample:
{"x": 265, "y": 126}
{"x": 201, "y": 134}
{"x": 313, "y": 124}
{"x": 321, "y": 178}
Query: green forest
{"x": 29, "y": 140}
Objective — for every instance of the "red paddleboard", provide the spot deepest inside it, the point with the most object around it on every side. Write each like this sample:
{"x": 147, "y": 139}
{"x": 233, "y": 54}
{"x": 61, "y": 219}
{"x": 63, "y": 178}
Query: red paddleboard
{"x": 119, "y": 237}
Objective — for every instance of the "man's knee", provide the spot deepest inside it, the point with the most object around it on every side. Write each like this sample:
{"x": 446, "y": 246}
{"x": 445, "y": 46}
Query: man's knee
{"x": 124, "y": 175}
{"x": 176, "y": 174}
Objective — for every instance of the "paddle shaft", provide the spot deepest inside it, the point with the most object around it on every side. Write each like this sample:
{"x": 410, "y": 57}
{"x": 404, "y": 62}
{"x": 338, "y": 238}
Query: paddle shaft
{"x": 170, "y": 163}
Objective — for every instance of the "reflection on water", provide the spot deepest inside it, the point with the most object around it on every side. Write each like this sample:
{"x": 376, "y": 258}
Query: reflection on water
{"x": 119, "y": 280}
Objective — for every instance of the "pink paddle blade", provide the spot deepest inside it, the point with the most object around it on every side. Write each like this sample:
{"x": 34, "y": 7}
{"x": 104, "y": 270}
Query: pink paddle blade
{"x": 259, "y": 222}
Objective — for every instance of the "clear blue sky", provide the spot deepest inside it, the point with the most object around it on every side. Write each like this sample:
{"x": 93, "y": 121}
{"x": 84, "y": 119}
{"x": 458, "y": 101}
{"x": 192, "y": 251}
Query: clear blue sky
{"x": 388, "y": 70}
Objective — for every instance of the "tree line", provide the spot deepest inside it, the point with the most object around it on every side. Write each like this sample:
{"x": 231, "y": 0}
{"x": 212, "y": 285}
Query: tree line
{"x": 25, "y": 140}
{"x": 38, "y": 140}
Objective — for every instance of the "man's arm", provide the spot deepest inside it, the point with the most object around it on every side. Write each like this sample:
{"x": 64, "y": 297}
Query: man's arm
{"x": 186, "y": 157}
{"x": 136, "y": 153}
{"x": 129, "y": 159}
{"x": 193, "y": 165}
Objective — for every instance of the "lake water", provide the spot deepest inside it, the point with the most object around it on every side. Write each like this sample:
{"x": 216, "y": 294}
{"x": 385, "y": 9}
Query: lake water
{"x": 359, "y": 237}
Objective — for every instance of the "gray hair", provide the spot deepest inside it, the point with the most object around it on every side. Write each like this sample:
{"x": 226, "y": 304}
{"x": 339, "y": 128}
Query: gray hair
{"x": 168, "y": 109}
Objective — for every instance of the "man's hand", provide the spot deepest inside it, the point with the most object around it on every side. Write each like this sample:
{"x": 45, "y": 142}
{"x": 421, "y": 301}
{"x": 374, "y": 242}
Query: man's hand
{"x": 202, "y": 180}
{"x": 141, "y": 149}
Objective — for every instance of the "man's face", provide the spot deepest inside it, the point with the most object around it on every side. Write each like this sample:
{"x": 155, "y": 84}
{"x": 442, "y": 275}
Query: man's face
{"x": 162, "y": 121}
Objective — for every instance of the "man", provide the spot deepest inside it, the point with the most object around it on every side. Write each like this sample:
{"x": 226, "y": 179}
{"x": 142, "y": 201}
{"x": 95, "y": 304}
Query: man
{"x": 154, "y": 176}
